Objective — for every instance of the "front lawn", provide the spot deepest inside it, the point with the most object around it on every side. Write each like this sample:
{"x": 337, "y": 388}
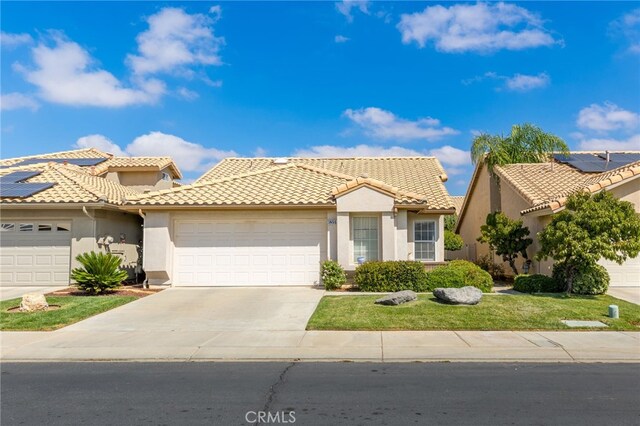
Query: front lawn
{"x": 72, "y": 309}
{"x": 494, "y": 312}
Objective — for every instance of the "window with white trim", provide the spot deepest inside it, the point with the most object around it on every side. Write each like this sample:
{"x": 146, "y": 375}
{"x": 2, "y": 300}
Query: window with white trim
{"x": 424, "y": 239}
{"x": 365, "y": 238}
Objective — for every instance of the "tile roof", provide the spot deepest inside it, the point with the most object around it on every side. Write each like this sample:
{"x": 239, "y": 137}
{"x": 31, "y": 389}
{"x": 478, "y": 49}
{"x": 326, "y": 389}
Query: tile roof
{"x": 72, "y": 185}
{"x": 236, "y": 181}
{"x": 458, "y": 200}
{"x": 76, "y": 153}
{"x": 118, "y": 163}
{"x": 547, "y": 185}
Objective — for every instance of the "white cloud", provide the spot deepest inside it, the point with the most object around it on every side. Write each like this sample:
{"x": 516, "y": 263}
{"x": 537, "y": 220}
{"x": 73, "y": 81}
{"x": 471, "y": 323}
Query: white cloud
{"x": 602, "y": 144}
{"x": 356, "y": 151}
{"x": 187, "y": 94}
{"x": 524, "y": 83}
{"x": 451, "y": 156}
{"x": 188, "y": 155}
{"x": 176, "y": 41}
{"x": 515, "y": 83}
{"x": 345, "y": 7}
{"x": 607, "y": 117}
{"x": 378, "y": 123}
{"x": 260, "y": 152}
{"x": 65, "y": 73}
{"x": 341, "y": 39}
{"x": 628, "y": 27}
{"x": 102, "y": 143}
{"x": 10, "y": 40}
{"x": 10, "y": 101}
{"x": 480, "y": 27}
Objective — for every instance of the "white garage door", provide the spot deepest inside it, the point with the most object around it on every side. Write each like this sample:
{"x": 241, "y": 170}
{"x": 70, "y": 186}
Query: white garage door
{"x": 34, "y": 253}
{"x": 625, "y": 275}
{"x": 245, "y": 253}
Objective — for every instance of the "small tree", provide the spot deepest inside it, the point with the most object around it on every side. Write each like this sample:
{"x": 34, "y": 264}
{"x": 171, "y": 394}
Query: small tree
{"x": 100, "y": 272}
{"x": 507, "y": 237}
{"x": 591, "y": 228}
{"x": 452, "y": 241}
{"x": 450, "y": 222}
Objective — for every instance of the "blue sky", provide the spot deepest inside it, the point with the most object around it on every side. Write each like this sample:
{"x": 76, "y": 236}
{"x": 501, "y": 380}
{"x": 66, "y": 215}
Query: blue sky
{"x": 205, "y": 80}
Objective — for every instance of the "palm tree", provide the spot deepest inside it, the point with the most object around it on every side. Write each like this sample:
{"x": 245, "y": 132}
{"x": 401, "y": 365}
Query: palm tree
{"x": 526, "y": 144}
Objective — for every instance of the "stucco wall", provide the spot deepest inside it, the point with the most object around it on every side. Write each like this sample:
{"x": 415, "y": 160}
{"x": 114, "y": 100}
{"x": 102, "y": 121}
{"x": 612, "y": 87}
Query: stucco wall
{"x": 476, "y": 211}
{"x": 364, "y": 199}
{"x": 114, "y": 223}
{"x": 629, "y": 191}
{"x": 141, "y": 180}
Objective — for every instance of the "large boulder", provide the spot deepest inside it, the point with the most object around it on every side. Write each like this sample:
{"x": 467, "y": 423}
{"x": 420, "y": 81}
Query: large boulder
{"x": 398, "y": 298}
{"x": 32, "y": 302}
{"x": 459, "y": 296}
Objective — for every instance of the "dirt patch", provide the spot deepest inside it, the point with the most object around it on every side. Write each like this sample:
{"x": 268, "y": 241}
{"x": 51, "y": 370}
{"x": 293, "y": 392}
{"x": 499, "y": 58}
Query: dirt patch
{"x": 16, "y": 309}
{"x": 135, "y": 291}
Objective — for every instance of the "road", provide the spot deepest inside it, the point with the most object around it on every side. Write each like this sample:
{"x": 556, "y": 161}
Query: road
{"x": 319, "y": 394}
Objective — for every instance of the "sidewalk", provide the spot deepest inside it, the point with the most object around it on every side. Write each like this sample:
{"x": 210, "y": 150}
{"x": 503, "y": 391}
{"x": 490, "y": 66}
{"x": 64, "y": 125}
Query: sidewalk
{"x": 386, "y": 346}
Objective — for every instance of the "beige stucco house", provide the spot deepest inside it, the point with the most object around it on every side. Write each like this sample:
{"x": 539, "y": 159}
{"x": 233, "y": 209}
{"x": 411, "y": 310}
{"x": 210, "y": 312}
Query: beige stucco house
{"x": 534, "y": 192}
{"x": 268, "y": 221}
{"x": 56, "y": 206}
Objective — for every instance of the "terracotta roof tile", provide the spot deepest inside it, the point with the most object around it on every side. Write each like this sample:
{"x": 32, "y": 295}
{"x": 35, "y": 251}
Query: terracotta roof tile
{"x": 458, "y": 200}
{"x": 76, "y": 153}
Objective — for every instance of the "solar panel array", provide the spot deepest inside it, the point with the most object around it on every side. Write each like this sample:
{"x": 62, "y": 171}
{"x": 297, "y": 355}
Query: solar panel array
{"x": 22, "y": 190}
{"x": 597, "y": 163}
{"x": 82, "y": 162}
{"x": 16, "y": 177}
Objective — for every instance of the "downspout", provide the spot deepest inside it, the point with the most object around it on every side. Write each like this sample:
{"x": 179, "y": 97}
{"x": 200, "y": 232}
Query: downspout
{"x": 145, "y": 284}
{"x": 93, "y": 220}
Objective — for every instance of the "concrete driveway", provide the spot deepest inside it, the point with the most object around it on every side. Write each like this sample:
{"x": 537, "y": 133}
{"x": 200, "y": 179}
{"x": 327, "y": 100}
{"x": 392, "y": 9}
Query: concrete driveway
{"x": 211, "y": 309}
{"x": 630, "y": 294}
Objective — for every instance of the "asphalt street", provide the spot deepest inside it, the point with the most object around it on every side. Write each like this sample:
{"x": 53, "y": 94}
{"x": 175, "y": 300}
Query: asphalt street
{"x": 319, "y": 394}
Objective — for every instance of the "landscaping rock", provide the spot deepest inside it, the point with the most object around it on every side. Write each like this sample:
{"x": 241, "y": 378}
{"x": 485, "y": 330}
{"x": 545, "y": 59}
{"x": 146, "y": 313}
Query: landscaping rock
{"x": 459, "y": 296}
{"x": 32, "y": 302}
{"x": 398, "y": 298}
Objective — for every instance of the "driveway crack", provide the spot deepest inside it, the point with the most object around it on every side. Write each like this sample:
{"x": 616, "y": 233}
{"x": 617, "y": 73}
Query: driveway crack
{"x": 273, "y": 390}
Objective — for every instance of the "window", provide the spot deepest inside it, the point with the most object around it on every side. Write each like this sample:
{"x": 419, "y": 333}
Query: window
{"x": 166, "y": 176}
{"x": 365, "y": 238}
{"x": 63, "y": 226}
{"x": 7, "y": 227}
{"x": 26, "y": 227}
{"x": 425, "y": 240}
{"x": 44, "y": 227}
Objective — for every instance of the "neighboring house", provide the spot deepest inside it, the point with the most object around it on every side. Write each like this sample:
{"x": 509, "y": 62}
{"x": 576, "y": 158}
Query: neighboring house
{"x": 266, "y": 221}
{"x": 534, "y": 192}
{"x": 56, "y": 206}
{"x": 458, "y": 200}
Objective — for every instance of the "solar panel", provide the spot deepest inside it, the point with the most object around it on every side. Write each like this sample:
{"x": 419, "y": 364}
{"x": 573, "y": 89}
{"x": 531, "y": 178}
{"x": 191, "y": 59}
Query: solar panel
{"x": 622, "y": 157}
{"x": 16, "y": 177}
{"x": 82, "y": 162}
{"x": 591, "y": 163}
{"x": 22, "y": 190}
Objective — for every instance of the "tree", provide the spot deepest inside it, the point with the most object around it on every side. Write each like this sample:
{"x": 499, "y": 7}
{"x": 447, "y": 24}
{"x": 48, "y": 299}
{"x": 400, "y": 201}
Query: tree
{"x": 507, "y": 237}
{"x": 452, "y": 241}
{"x": 591, "y": 227}
{"x": 526, "y": 144}
{"x": 450, "y": 222}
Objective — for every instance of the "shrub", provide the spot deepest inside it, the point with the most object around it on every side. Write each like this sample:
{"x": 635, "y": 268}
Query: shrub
{"x": 391, "y": 276}
{"x": 452, "y": 241}
{"x": 537, "y": 283}
{"x": 100, "y": 272}
{"x": 333, "y": 276}
{"x": 496, "y": 270}
{"x": 588, "y": 278}
{"x": 459, "y": 273}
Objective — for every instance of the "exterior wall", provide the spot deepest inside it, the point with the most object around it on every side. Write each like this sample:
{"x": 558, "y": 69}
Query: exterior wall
{"x": 364, "y": 199}
{"x": 141, "y": 180}
{"x": 115, "y": 223}
{"x": 84, "y": 231}
{"x": 475, "y": 215}
{"x": 629, "y": 191}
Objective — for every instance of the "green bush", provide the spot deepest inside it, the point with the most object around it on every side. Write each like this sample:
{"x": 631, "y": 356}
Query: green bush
{"x": 537, "y": 283}
{"x": 496, "y": 270}
{"x": 452, "y": 241}
{"x": 391, "y": 276}
{"x": 100, "y": 272}
{"x": 459, "y": 273}
{"x": 333, "y": 276}
{"x": 588, "y": 278}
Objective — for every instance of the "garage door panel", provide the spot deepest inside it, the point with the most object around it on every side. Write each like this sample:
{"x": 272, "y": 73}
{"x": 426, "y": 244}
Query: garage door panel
{"x": 248, "y": 253}
{"x": 625, "y": 275}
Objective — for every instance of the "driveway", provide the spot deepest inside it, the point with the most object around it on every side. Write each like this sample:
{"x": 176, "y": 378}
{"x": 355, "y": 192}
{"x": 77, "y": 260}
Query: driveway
{"x": 211, "y": 309}
{"x": 630, "y": 294}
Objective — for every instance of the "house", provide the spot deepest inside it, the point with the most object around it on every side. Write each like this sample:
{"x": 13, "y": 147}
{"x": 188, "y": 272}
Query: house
{"x": 535, "y": 192}
{"x": 56, "y": 206}
{"x": 271, "y": 221}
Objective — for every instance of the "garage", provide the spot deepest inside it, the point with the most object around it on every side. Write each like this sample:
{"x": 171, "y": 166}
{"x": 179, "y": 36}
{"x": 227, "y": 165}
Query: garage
{"x": 625, "y": 275}
{"x": 35, "y": 253}
{"x": 247, "y": 253}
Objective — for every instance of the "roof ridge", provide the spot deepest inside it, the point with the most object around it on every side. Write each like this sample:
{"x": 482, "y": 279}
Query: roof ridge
{"x": 67, "y": 172}
{"x": 334, "y": 158}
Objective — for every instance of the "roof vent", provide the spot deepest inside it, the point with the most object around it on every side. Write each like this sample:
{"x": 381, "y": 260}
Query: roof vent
{"x": 280, "y": 161}
{"x": 364, "y": 175}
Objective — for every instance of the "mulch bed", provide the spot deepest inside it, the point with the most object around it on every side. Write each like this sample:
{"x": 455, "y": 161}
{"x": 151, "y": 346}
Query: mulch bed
{"x": 129, "y": 290}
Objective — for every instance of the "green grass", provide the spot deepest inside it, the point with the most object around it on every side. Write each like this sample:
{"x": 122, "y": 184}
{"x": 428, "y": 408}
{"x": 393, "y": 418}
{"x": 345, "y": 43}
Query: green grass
{"x": 495, "y": 312}
{"x": 72, "y": 309}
